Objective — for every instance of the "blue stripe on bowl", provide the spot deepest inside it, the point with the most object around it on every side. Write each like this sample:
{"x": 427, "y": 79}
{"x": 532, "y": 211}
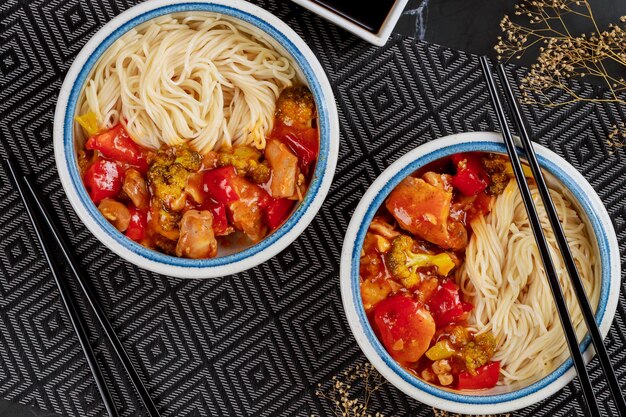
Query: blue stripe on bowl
{"x": 568, "y": 182}
{"x": 324, "y": 128}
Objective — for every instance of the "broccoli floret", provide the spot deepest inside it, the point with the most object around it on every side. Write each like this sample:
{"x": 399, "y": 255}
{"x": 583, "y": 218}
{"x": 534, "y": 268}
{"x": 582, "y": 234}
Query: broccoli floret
{"x": 245, "y": 159}
{"x": 296, "y": 107}
{"x": 479, "y": 352}
{"x": 403, "y": 262}
{"x": 169, "y": 172}
{"x": 259, "y": 173}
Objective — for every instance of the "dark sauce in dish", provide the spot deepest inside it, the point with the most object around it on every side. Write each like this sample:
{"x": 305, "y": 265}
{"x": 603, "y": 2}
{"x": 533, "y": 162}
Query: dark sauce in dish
{"x": 370, "y": 16}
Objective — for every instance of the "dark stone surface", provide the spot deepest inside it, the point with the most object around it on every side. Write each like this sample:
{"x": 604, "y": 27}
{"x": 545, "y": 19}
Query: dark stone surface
{"x": 473, "y": 25}
{"x": 8, "y": 409}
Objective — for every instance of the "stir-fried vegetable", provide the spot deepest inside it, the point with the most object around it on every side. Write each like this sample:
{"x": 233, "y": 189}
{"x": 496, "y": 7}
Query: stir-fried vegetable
{"x": 138, "y": 224}
{"x": 277, "y": 210}
{"x": 470, "y": 177}
{"x": 478, "y": 352}
{"x": 245, "y": 159}
{"x": 89, "y": 122}
{"x": 103, "y": 179}
{"x": 441, "y": 350}
{"x": 406, "y": 327}
{"x": 404, "y": 263}
{"x": 168, "y": 175}
{"x": 170, "y": 198}
{"x": 446, "y": 305}
{"x": 485, "y": 377}
{"x": 117, "y": 145}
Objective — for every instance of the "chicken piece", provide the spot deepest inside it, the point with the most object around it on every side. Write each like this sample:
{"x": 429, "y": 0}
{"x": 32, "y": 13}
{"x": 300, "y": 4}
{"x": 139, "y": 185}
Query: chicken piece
{"x": 164, "y": 244}
{"x": 285, "y": 170}
{"x": 423, "y": 210}
{"x": 373, "y": 292}
{"x": 196, "y": 240}
{"x": 136, "y": 189}
{"x": 443, "y": 181}
{"x": 384, "y": 229}
{"x": 372, "y": 263}
{"x": 194, "y": 187}
{"x": 296, "y": 107}
{"x": 116, "y": 213}
{"x": 246, "y": 213}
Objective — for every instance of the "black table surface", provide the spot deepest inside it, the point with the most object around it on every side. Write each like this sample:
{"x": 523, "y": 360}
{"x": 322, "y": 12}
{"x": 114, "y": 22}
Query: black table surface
{"x": 467, "y": 25}
{"x": 473, "y": 25}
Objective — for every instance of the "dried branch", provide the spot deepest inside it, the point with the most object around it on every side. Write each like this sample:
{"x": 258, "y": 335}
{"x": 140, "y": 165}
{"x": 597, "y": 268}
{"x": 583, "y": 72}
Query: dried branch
{"x": 351, "y": 391}
{"x": 563, "y": 55}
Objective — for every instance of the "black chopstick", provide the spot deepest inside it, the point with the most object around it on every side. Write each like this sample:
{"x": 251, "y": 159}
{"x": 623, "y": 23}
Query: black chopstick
{"x": 533, "y": 217}
{"x": 572, "y": 270}
{"x": 95, "y": 305}
{"x": 66, "y": 296}
{"x": 37, "y": 212}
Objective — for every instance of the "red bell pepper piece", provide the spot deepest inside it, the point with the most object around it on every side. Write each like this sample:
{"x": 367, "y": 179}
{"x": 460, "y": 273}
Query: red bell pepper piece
{"x": 218, "y": 210}
{"x": 470, "y": 177}
{"x": 117, "y": 145}
{"x": 138, "y": 224}
{"x": 276, "y": 211}
{"x": 218, "y": 183}
{"x": 103, "y": 179}
{"x": 303, "y": 143}
{"x": 486, "y": 377}
{"x": 222, "y": 187}
{"x": 406, "y": 329}
{"x": 446, "y": 305}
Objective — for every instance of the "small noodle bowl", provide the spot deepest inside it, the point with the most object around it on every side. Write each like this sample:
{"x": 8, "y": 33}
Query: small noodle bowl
{"x": 238, "y": 259}
{"x": 502, "y": 398}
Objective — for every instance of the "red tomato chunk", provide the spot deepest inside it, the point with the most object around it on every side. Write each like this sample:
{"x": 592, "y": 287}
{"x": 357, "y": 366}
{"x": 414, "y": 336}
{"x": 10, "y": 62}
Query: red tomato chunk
{"x": 405, "y": 327}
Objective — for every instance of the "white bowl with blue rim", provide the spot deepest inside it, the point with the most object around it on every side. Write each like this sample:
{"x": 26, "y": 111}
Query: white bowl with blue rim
{"x": 500, "y": 399}
{"x": 239, "y": 258}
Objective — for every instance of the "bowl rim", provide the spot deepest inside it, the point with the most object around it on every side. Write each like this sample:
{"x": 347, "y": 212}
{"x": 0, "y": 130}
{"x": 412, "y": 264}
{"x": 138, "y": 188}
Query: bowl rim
{"x": 155, "y": 261}
{"x": 349, "y": 275}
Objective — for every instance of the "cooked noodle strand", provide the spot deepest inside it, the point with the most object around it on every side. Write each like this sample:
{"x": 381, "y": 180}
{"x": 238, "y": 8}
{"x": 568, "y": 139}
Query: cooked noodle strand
{"x": 504, "y": 278}
{"x": 204, "y": 79}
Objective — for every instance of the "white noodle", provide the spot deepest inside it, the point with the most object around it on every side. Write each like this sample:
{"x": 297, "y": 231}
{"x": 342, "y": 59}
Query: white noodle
{"x": 504, "y": 278}
{"x": 205, "y": 79}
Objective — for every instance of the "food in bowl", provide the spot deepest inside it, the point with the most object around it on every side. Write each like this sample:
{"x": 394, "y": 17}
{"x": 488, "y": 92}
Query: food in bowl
{"x": 194, "y": 132}
{"x": 451, "y": 280}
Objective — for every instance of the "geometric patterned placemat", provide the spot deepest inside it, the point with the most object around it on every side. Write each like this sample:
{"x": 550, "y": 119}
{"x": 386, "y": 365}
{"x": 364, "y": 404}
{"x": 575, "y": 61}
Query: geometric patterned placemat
{"x": 259, "y": 342}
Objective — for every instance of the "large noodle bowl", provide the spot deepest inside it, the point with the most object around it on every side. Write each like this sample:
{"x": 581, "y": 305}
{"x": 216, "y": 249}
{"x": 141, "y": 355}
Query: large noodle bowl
{"x": 196, "y": 135}
{"x": 452, "y": 282}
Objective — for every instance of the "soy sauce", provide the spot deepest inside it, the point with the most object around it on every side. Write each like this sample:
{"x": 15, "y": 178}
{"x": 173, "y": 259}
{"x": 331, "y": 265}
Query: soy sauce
{"x": 370, "y": 16}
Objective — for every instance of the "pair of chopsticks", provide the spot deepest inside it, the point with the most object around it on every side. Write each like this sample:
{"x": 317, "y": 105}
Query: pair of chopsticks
{"x": 542, "y": 244}
{"x": 44, "y": 227}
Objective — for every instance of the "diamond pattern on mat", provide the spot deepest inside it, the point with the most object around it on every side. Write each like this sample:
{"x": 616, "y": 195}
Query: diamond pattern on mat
{"x": 260, "y": 372}
{"x": 256, "y": 343}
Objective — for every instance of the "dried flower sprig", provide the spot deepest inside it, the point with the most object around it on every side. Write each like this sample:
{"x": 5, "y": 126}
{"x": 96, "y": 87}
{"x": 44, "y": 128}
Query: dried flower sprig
{"x": 562, "y": 54}
{"x": 617, "y": 137}
{"x": 350, "y": 392}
